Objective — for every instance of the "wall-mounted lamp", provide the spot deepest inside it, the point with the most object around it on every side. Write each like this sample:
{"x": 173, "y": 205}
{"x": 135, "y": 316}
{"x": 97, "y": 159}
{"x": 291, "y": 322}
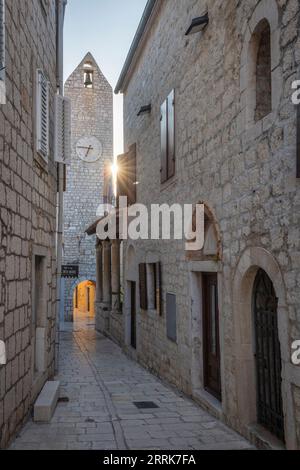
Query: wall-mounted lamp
{"x": 145, "y": 110}
{"x": 198, "y": 24}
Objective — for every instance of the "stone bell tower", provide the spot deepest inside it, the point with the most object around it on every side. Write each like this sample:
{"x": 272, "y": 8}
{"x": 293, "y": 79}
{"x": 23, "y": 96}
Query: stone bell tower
{"x": 92, "y": 151}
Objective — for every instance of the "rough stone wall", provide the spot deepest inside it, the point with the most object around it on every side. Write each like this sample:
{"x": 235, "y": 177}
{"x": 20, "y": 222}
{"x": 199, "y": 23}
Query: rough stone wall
{"x": 92, "y": 115}
{"x": 246, "y": 178}
{"x": 28, "y": 207}
{"x": 297, "y": 410}
{"x": 115, "y": 327}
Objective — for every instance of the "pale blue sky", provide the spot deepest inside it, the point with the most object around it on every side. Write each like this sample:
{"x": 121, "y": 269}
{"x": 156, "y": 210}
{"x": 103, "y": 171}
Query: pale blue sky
{"x": 106, "y": 29}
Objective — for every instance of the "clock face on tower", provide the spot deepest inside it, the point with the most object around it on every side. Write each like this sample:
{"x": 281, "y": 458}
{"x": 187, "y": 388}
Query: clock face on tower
{"x": 89, "y": 149}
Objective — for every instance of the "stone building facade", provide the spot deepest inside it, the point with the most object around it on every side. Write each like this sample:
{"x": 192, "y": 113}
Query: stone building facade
{"x": 28, "y": 191}
{"x": 92, "y": 155}
{"x": 231, "y": 131}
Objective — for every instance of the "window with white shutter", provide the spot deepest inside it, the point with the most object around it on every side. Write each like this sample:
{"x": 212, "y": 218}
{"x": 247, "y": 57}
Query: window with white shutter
{"x": 171, "y": 313}
{"x": 42, "y": 115}
{"x": 151, "y": 286}
{"x": 158, "y": 287}
{"x": 62, "y": 129}
{"x": 127, "y": 176}
{"x": 143, "y": 286}
{"x": 2, "y": 40}
{"x": 167, "y": 132}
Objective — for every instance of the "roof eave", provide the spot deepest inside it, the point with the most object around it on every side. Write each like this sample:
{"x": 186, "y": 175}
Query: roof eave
{"x": 135, "y": 46}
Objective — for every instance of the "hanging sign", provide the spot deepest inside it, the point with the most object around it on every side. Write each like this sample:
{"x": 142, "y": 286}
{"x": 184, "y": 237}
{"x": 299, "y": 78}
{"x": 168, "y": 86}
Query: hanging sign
{"x": 70, "y": 271}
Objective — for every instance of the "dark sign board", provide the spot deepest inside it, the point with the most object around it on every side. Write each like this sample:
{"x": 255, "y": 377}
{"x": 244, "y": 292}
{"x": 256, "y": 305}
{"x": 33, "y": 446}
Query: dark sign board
{"x": 70, "y": 270}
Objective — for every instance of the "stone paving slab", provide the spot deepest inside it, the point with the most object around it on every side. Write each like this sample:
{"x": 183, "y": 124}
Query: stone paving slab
{"x": 102, "y": 384}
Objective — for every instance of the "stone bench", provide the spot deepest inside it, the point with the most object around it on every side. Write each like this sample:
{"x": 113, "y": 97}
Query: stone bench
{"x": 45, "y": 405}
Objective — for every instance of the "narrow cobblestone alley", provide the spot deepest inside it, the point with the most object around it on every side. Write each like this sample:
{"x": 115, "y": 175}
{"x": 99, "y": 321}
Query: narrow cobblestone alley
{"x": 102, "y": 385}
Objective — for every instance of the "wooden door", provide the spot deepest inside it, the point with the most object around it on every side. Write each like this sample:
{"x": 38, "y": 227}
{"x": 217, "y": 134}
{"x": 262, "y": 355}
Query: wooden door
{"x": 133, "y": 313}
{"x": 211, "y": 336}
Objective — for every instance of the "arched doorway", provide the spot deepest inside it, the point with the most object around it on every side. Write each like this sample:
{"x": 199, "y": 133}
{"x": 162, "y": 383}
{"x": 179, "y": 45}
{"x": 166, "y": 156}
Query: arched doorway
{"x": 84, "y": 301}
{"x": 250, "y": 263}
{"x": 205, "y": 280}
{"x": 267, "y": 355}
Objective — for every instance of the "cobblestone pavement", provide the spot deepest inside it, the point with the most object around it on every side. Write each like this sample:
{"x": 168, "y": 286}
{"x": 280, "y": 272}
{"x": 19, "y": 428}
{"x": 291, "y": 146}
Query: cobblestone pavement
{"x": 102, "y": 385}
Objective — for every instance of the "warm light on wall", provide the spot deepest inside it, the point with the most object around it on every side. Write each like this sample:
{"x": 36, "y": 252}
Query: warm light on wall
{"x": 114, "y": 172}
{"x": 84, "y": 299}
{"x": 114, "y": 169}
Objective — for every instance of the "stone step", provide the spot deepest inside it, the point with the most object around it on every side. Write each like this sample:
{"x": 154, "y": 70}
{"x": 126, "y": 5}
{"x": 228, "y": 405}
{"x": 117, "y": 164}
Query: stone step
{"x": 45, "y": 405}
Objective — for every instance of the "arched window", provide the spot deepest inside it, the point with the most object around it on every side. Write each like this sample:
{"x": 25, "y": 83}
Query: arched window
{"x": 212, "y": 250}
{"x": 263, "y": 70}
{"x": 260, "y": 73}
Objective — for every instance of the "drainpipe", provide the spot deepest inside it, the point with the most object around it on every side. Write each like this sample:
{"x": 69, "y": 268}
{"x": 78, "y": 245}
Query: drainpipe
{"x": 60, "y": 12}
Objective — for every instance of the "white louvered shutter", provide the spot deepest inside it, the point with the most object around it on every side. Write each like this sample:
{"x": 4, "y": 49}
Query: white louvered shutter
{"x": 2, "y": 40}
{"x": 42, "y": 115}
{"x": 62, "y": 129}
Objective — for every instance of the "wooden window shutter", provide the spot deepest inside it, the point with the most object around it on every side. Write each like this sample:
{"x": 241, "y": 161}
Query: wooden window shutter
{"x": 127, "y": 175}
{"x": 42, "y": 115}
{"x": 164, "y": 141}
{"x": 62, "y": 129}
{"x": 64, "y": 178}
{"x": 2, "y": 40}
{"x": 131, "y": 175}
{"x": 171, "y": 317}
{"x": 143, "y": 286}
{"x": 158, "y": 288}
{"x": 171, "y": 134}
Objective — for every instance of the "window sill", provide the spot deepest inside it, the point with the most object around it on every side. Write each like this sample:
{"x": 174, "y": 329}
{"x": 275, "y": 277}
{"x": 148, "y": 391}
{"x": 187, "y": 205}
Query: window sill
{"x": 173, "y": 341}
{"x": 256, "y": 129}
{"x": 167, "y": 184}
{"x": 151, "y": 312}
{"x": 117, "y": 312}
{"x": 268, "y": 121}
{"x": 42, "y": 163}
